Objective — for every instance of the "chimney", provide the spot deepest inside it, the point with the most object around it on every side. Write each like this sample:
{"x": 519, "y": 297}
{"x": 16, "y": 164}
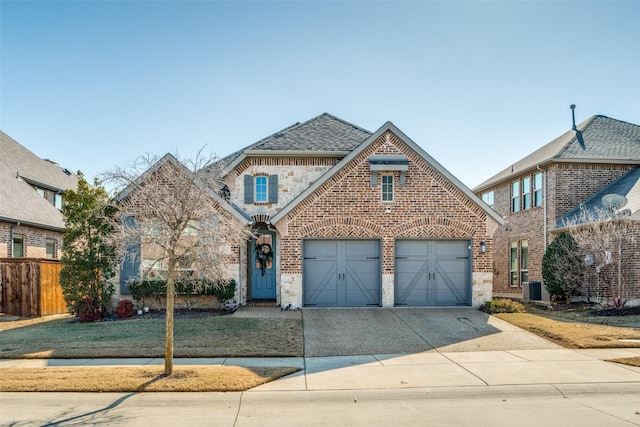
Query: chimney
{"x": 573, "y": 115}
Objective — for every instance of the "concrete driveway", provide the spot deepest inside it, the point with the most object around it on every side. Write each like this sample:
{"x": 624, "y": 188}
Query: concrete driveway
{"x": 359, "y": 331}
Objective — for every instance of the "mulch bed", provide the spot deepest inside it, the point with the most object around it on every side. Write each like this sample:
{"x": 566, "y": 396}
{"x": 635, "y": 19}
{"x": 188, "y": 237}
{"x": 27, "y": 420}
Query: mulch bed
{"x": 593, "y": 309}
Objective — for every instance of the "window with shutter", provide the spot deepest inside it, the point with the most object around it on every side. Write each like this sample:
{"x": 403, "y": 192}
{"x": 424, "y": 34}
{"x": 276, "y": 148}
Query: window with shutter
{"x": 248, "y": 189}
{"x": 130, "y": 268}
{"x": 273, "y": 188}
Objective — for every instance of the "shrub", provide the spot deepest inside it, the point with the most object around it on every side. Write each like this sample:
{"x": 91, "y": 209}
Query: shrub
{"x": 225, "y": 290}
{"x": 124, "y": 309}
{"x": 503, "y": 305}
{"x": 563, "y": 267}
{"x": 90, "y": 310}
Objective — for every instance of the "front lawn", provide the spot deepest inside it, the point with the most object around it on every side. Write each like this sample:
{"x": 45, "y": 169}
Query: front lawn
{"x": 574, "y": 334}
{"x": 214, "y": 336}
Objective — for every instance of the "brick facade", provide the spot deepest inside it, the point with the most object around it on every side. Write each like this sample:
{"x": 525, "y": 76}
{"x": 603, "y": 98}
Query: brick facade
{"x": 34, "y": 240}
{"x": 329, "y": 192}
{"x": 565, "y": 185}
{"x": 348, "y": 206}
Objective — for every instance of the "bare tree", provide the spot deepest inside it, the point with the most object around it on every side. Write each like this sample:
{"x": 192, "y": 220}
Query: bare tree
{"x": 173, "y": 212}
{"x": 606, "y": 237}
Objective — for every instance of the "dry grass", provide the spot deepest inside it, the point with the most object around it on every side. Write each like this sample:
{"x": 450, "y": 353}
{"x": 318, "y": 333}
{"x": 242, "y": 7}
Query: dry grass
{"x": 574, "y": 335}
{"x": 139, "y": 379}
{"x": 215, "y": 336}
{"x": 632, "y": 361}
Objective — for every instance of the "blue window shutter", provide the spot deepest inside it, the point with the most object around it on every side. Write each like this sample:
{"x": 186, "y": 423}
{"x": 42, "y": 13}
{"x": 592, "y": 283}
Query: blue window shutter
{"x": 130, "y": 268}
{"x": 248, "y": 189}
{"x": 273, "y": 188}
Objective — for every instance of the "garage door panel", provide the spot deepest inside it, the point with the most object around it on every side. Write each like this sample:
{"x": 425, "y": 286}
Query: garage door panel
{"x": 413, "y": 273}
{"x": 432, "y": 272}
{"x": 322, "y": 275}
{"x": 355, "y": 279}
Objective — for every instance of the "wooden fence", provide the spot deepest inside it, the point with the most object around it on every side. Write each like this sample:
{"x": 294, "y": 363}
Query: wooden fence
{"x": 30, "y": 287}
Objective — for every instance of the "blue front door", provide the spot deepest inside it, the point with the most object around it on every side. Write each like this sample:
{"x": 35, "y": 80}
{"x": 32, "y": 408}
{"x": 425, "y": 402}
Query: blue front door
{"x": 263, "y": 262}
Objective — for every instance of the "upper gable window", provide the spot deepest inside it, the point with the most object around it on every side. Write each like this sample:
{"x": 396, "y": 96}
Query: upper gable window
{"x": 387, "y": 188}
{"x": 260, "y": 188}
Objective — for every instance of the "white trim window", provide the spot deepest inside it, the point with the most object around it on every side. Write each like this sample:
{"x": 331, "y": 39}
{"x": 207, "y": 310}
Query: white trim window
{"x": 387, "y": 188}
{"x": 488, "y": 198}
{"x": 261, "y": 189}
{"x": 526, "y": 192}
{"x": 537, "y": 189}
{"x": 515, "y": 196}
{"x": 50, "y": 250}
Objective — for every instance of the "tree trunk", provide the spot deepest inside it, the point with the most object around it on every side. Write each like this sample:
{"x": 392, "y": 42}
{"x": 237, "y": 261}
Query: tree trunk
{"x": 168, "y": 354}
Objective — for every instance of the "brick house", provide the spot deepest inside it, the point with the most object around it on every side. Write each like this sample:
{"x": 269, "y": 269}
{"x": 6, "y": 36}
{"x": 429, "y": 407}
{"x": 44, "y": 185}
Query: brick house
{"x": 31, "y": 192}
{"x": 349, "y": 218}
{"x": 618, "y": 206}
{"x": 533, "y": 194}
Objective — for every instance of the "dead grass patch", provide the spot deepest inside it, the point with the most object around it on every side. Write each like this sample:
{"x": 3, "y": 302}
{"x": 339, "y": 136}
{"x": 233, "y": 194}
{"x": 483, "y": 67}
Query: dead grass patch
{"x": 632, "y": 361}
{"x": 574, "y": 335}
{"x": 138, "y": 379}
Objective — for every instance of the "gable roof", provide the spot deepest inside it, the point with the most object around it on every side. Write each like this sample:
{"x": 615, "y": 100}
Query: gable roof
{"x": 599, "y": 139}
{"x": 372, "y": 138}
{"x": 234, "y": 210}
{"x": 19, "y": 202}
{"x": 628, "y": 185}
{"x": 321, "y": 135}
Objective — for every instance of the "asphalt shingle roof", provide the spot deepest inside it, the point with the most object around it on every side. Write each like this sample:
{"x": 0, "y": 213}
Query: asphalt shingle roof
{"x": 324, "y": 133}
{"x": 18, "y": 200}
{"x": 598, "y": 138}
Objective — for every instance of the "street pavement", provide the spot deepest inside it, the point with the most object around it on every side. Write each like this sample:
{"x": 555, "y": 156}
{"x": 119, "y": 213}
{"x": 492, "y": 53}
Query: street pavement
{"x": 499, "y": 376}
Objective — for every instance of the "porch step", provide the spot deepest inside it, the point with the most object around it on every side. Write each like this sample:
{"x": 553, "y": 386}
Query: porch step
{"x": 262, "y": 303}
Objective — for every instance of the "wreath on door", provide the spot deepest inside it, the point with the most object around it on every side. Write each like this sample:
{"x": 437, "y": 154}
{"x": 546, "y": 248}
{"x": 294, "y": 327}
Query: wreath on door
{"x": 264, "y": 255}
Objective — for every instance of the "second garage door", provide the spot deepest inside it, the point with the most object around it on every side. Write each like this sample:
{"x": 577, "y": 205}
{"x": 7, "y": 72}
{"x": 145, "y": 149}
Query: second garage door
{"x": 432, "y": 273}
{"x": 341, "y": 273}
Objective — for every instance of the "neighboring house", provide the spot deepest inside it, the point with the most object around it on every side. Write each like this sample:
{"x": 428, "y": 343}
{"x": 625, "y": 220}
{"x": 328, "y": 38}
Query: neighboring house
{"x": 349, "y": 218}
{"x": 31, "y": 193}
{"x": 617, "y": 204}
{"x": 533, "y": 194}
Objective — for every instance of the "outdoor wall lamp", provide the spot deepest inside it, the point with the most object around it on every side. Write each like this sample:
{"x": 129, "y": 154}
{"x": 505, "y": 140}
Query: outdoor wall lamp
{"x": 483, "y": 247}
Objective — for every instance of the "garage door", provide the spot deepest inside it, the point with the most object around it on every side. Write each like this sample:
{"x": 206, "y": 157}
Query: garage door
{"x": 432, "y": 273}
{"x": 341, "y": 273}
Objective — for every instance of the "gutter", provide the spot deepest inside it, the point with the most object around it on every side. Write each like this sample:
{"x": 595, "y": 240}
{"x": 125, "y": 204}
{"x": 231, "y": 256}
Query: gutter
{"x": 31, "y": 224}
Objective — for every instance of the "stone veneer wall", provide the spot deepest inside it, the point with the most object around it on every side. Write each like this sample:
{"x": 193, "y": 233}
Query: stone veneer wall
{"x": 347, "y": 206}
{"x": 294, "y": 176}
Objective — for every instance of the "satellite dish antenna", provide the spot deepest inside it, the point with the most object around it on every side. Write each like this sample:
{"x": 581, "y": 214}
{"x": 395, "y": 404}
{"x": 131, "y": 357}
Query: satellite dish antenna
{"x": 613, "y": 202}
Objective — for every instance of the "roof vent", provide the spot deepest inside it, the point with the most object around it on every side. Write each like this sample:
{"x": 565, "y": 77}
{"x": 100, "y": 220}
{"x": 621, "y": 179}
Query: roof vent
{"x": 573, "y": 115}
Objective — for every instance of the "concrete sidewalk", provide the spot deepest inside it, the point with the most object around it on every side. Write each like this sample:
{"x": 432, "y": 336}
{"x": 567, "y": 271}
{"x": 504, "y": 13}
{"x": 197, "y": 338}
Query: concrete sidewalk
{"x": 430, "y": 369}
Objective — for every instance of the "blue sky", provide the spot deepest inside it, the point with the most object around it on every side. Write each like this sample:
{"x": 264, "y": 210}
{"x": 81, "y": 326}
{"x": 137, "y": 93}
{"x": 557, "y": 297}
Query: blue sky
{"x": 478, "y": 85}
